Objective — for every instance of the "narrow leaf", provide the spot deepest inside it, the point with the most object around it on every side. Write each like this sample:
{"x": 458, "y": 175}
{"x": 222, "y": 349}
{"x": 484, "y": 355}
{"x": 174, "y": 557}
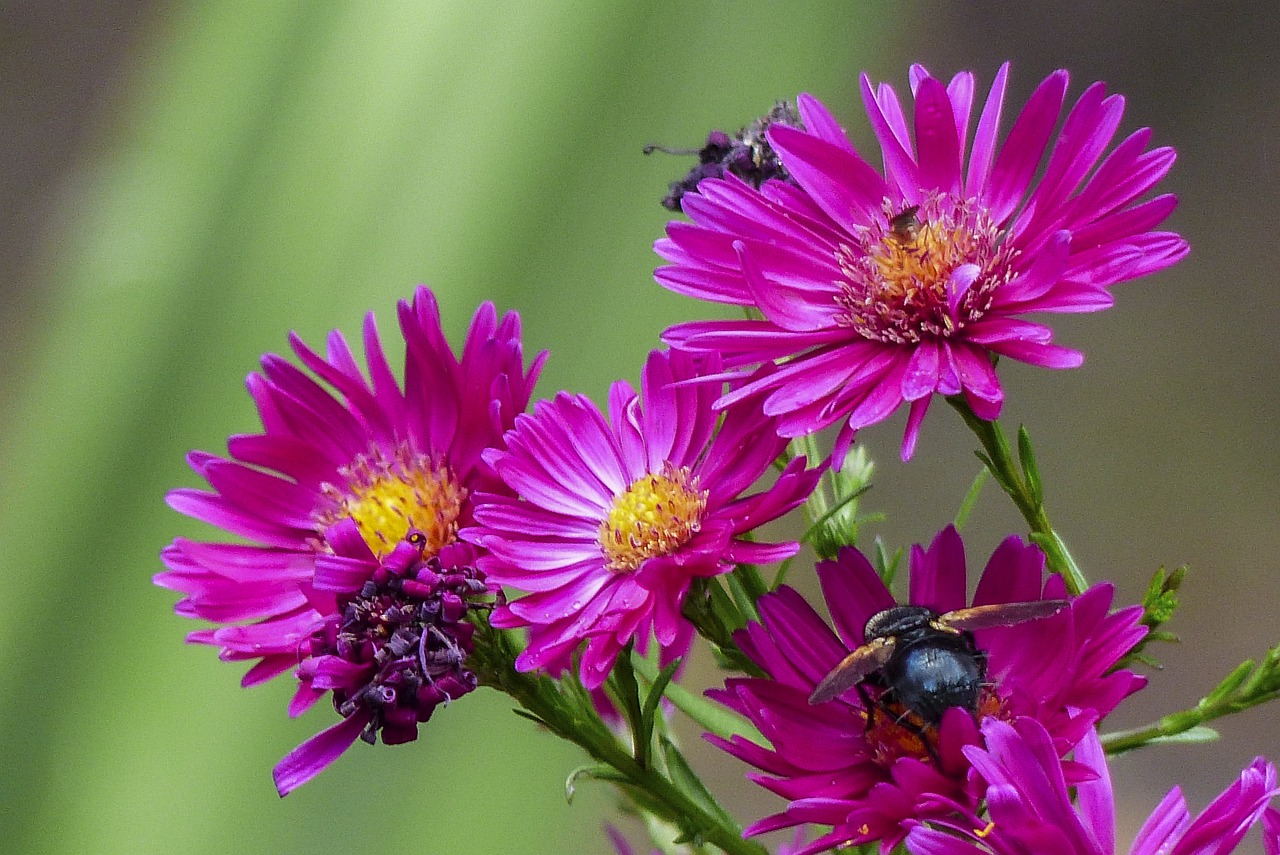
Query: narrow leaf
{"x": 659, "y": 685}
{"x": 598, "y": 771}
{"x": 1229, "y": 685}
{"x": 1030, "y": 469}
{"x": 533, "y": 718}
{"x": 1194, "y": 736}
{"x": 683, "y": 776}
{"x": 742, "y": 598}
{"x": 712, "y": 716}
{"x": 971, "y": 498}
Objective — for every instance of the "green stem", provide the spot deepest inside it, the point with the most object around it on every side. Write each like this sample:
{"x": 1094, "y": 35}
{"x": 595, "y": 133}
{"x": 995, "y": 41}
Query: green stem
{"x": 1127, "y": 740}
{"x": 1247, "y": 686}
{"x": 1021, "y": 483}
{"x": 716, "y": 617}
{"x": 565, "y": 708}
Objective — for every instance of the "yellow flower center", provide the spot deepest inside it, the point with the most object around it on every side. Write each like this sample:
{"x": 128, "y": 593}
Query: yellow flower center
{"x": 914, "y": 263}
{"x": 388, "y": 496}
{"x": 899, "y": 276}
{"x": 655, "y": 516}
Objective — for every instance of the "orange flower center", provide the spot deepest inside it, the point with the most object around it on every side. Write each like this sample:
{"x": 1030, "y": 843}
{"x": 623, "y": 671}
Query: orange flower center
{"x": 897, "y": 732}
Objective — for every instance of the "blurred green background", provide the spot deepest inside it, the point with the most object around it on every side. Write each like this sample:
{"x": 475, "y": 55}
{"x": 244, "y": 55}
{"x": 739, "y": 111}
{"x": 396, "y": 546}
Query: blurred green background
{"x": 184, "y": 183}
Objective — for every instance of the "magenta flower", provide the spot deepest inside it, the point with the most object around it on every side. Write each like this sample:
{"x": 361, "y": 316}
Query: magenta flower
{"x": 874, "y": 782}
{"x": 879, "y": 289}
{"x": 617, "y": 515}
{"x": 392, "y": 646}
{"x": 1031, "y": 808}
{"x": 339, "y": 450}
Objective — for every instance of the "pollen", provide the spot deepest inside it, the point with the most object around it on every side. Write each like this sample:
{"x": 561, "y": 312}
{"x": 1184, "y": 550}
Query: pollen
{"x": 903, "y": 279}
{"x": 655, "y": 516}
{"x": 387, "y": 496}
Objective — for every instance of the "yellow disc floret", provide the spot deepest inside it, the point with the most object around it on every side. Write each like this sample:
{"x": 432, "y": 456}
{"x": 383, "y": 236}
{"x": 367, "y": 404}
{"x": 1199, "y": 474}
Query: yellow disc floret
{"x": 915, "y": 265}
{"x": 656, "y": 515}
{"x": 388, "y": 496}
{"x": 897, "y": 282}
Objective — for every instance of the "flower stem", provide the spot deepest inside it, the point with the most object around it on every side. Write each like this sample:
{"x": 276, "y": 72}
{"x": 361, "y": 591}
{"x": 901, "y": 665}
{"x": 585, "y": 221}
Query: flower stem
{"x": 1248, "y": 685}
{"x": 1020, "y": 479}
{"x": 565, "y": 708}
{"x": 1166, "y": 729}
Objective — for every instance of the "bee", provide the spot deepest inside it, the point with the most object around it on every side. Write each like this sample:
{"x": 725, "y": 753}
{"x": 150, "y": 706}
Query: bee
{"x": 905, "y": 225}
{"x": 925, "y": 661}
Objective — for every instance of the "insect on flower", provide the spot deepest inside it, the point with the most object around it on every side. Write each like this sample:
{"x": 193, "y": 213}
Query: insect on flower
{"x": 925, "y": 661}
{"x": 905, "y": 225}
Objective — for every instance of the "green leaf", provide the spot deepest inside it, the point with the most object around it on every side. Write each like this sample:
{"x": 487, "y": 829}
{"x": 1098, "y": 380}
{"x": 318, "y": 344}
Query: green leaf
{"x": 688, "y": 782}
{"x": 997, "y": 473}
{"x": 1193, "y": 736}
{"x": 658, "y": 686}
{"x": 1030, "y": 469}
{"x": 742, "y": 597}
{"x": 1159, "y": 602}
{"x": 970, "y": 498}
{"x": 597, "y": 771}
{"x": 1265, "y": 680}
{"x": 532, "y": 717}
{"x": 723, "y": 607}
{"x": 625, "y": 690}
{"x": 1228, "y": 685}
{"x": 1161, "y": 598}
{"x": 1001, "y": 441}
{"x": 886, "y": 565}
{"x": 715, "y": 718}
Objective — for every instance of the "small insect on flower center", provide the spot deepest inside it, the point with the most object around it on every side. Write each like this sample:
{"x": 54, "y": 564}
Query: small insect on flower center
{"x": 387, "y": 496}
{"x": 656, "y": 515}
{"x": 923, "y": 271}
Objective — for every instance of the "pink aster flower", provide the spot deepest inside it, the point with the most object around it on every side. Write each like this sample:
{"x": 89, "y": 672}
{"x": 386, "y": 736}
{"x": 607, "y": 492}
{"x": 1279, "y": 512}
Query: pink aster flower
{"x": 1031, "y": 809}
{"x": 883, "y": 287}
{"x": 617, "y": 515}
{"x": 871, "y": 775}
{"x": 392, "y": 646}
{"x": 337, "y": 449}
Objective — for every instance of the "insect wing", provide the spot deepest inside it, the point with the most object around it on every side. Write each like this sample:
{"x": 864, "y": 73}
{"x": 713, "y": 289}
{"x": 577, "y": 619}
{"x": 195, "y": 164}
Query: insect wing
{"x": 1000, "y": 614}
{"x": 868, "y": 658}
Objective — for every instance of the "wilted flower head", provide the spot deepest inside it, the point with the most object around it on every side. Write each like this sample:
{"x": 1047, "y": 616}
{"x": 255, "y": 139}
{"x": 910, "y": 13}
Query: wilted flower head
{"x": 392, "y": 645}
{"x": 340, "y": 450}
{"x": 879, "y": 288}
{"x": 1031, "y": 810}
{"x": 617, "y": 515}
{"x": 871, "y": 775}
{"x": 746, "y": 155}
